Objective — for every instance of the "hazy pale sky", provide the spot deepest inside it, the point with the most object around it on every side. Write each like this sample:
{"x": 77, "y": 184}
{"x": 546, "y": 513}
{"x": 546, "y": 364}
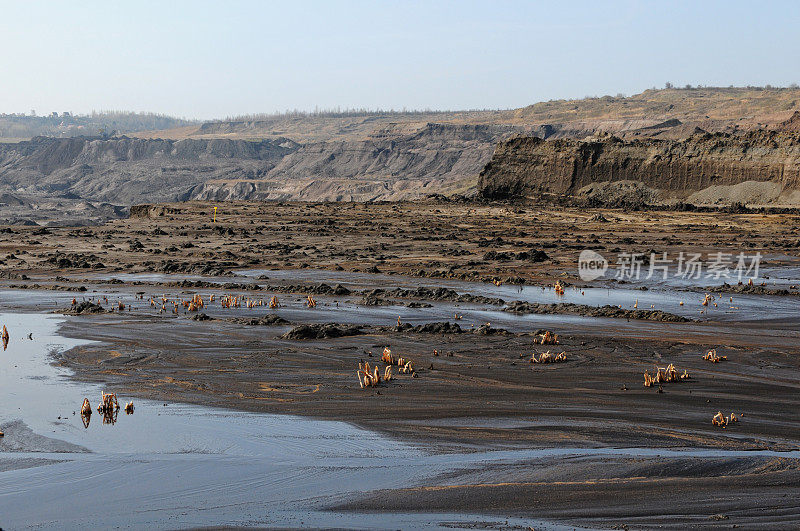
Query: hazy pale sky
{"x": 213, "y": 59}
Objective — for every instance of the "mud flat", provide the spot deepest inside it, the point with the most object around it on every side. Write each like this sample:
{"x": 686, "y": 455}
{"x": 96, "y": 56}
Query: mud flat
{"x": 522, "y": 243}
{"x": 478, "y": 430}
{"x": 478, "y": 436}
{"x": 232, "y": 467}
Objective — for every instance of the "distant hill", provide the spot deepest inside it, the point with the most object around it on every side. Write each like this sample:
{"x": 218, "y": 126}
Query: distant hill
{"x": 18, "y": 127}
{"x": 713, "y": 109}
{"x": 666, "y": 113}
{"x": 373, "y": 155}
{"x": 736, "y": 104}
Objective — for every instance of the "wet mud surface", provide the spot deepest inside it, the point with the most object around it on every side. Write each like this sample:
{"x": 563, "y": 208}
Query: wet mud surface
{"x": 461, "y": 241}
{"x": 477, "y": 428}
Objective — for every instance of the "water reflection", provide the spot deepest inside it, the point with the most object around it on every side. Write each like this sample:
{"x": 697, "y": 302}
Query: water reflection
{"x": 110, "y": 416}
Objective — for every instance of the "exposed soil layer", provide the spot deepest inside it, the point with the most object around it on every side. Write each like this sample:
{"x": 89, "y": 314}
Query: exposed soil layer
{"x": 564, "y": 398}
{"x": 759, "y": 167}
{"x": 367, "y": 156}
{"x": 84, "y": 307}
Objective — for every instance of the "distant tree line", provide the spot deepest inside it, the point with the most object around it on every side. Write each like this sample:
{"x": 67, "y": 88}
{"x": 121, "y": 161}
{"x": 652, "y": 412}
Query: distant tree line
{"x": 688, "y": 86}
{"x": 338, "y": 112}
{"x": 20, "y": 125}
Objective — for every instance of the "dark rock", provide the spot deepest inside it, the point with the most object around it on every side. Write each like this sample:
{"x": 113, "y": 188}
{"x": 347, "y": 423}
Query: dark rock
{"x": 83, "y": 308}
{"x": 270, "y": 319}
{"x": 487, "y": 330}
{"x": 322, "y": 331}
{"x": 523, "y": 307}
{"x": 442, "y": 327}
{"x": 340, "y": 290}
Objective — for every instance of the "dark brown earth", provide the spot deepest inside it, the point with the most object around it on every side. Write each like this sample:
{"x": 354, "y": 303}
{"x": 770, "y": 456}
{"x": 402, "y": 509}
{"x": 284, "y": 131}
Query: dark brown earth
{"x": 472, "y": 391}
{"x": 758, "y": 167}
{"x": 467, "y": 241}
{"x": 596, "y": 397}
{"x": 480, "y": 392}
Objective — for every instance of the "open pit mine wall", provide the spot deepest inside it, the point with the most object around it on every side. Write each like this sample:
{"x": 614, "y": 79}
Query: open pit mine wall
{"x": 125, "y": 171}
{"x": 529, "y": 166}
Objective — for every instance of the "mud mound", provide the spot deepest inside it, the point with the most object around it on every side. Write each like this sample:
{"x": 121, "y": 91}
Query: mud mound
{"x": 753, "y": 289}
{"x": 442, "y": 294}
{"x": 374, "y": 300}
{"x": 84, "y": 308}
{"x": 746, "y": 193}
{"x": 504, "y": 256}
{"x": 443, "y": 327}
{"x": 523, "y": 307}
{"x": 325, "y": 289}
{"x": 790, "y": 125}
{"x": 322, "y": 331}
{"x": 264, "y": 320}
{"x": 487, "y": 330}
{"x": 75, "y": 261}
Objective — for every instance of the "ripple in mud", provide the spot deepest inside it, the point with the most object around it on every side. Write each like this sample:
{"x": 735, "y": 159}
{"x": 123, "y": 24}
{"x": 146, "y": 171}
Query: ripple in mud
{"x": 21, "y": 463}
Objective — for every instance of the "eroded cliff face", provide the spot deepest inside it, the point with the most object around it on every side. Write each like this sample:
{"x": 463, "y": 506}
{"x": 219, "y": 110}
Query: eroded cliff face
{"x": 127, "y": 170}
{"x": 667, "y": 169}
{"x": 396, "y": 163}
{"x": 437, "y": 158}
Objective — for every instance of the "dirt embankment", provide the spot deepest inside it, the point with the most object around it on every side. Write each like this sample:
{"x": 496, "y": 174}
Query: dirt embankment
{"x": 760, "y": 167}
{"x": 124, "y": 170}
{"x": 400, "y": 156}
{"x": 392, "y": 164}
{"x": 666, "y": 113}
{"x": 389, "y": 165}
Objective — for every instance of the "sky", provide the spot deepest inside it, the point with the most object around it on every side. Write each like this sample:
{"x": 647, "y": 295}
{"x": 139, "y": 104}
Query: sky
{"x": 198, "y": 59}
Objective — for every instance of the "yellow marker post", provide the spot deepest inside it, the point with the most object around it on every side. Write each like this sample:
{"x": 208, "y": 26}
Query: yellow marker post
{"x": 215, "y": 214}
